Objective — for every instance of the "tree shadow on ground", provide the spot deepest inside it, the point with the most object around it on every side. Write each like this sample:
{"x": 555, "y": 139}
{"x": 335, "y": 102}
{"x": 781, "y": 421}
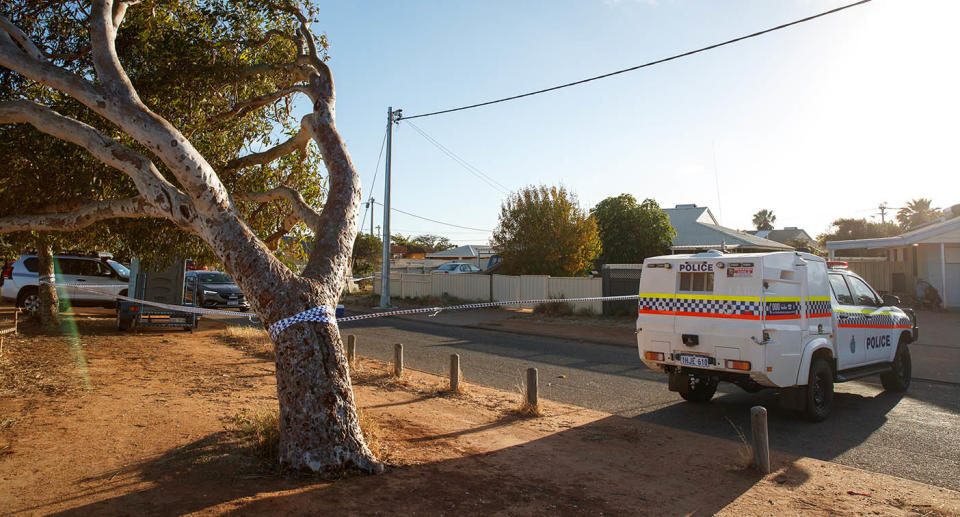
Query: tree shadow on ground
{"x": 611, "y": 466}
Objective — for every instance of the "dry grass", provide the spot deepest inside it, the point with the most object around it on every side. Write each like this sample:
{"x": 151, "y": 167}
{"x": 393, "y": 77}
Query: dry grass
{"x": 525, "y": 408}
{"x": 373, "y": 435}
{"x": 558, "y": 308}
{"x": 744, "y": 450}
{"x": 262, "y": 428}
{"x": 251, "y": 340}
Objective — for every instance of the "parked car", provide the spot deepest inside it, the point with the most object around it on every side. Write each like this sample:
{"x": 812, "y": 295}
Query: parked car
{"x": 20, "y": 282}
{"x": 454, "y": 268}
{"x": 216, "y": 290}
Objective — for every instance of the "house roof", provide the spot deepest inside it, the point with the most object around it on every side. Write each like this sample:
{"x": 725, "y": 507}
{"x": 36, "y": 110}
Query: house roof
{"x": 947, "y": 231}
{"x": 784, "y": 235}
{"x": 697, "y": 228}
{"x": 469, "y": 250}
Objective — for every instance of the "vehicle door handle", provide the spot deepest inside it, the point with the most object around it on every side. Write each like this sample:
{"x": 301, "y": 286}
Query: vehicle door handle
{"x": 842, "y": 316}
{"x": 868, "y": 316}
{"x": 81, "y": 280}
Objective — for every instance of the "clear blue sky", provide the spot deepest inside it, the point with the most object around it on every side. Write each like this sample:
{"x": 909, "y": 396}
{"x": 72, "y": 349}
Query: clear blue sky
{"x": 816, "y": 122}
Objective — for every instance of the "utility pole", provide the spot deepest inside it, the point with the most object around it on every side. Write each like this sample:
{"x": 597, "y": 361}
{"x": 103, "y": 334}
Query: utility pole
{"x": 883, "y": 212}
{"x": 370, "y": 204}
{"x": 392, "y": 118}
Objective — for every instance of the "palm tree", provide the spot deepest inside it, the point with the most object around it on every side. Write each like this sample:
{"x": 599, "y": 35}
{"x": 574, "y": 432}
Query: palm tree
{"x": 917, "y": 212}
{"x": 764, "y": 219}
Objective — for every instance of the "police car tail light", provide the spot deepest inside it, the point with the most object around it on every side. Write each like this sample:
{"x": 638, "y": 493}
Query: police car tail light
{"x": 7, "y": 272}
{"x": 738, "y": 365}
{"x": 653, "y": 356}
{"x": 837, "y": 264}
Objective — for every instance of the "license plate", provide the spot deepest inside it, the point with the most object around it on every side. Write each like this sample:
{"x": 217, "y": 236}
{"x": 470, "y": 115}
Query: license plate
{"x": 233, "y": 302}
{"x": 700, "y": 361}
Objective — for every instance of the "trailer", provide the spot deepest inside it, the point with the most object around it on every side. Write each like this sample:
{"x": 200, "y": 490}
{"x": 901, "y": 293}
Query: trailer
{"x": 165, "y": 287}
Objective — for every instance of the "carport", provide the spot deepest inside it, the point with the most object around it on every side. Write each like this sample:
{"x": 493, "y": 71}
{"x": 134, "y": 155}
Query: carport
{"x": 931, "y": 253}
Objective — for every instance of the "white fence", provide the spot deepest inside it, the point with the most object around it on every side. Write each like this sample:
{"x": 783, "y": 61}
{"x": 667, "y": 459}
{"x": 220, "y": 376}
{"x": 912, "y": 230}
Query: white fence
{"x": 496, "y": 288}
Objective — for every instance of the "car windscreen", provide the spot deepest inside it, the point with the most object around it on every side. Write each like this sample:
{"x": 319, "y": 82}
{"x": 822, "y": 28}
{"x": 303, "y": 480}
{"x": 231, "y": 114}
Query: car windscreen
{"x": 214, "y": 278}
{"x": 119, "y": 268}
{"x": 447, "y": 267}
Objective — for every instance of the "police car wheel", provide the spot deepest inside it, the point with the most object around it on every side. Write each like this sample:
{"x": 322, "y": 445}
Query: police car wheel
{"x": 701, "y": 389}
{"x": 819, "y": 390}
{"x": 124, "y": 323}
{"x": 898, "y": 380}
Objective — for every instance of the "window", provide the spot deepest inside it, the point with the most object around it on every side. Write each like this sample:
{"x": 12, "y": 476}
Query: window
{"x": 696, "y": 282}
{"x": 32, "y": 264}
{"x": 840, "y": 290}
{"x": 862, "y": 292}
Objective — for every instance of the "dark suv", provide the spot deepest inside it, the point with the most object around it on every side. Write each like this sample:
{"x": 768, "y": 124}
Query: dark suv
{"x": 216, "y": 290}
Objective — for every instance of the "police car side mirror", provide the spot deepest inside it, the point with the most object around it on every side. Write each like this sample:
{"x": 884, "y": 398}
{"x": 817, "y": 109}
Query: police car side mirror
{"x": 891, "y": 300}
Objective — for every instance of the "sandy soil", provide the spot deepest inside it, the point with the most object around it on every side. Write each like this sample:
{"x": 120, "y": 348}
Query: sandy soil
{"x": 120, "y": 424}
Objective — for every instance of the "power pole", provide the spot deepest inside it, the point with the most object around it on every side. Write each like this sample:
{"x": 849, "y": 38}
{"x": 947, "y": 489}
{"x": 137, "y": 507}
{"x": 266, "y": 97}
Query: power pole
{"x": 392, "y": 118}
{"x": 370, "y": 204}
{"x": 883, "y": 212}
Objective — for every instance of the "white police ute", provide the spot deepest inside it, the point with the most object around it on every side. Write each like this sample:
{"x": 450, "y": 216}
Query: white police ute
{"x": 785, "y": 320}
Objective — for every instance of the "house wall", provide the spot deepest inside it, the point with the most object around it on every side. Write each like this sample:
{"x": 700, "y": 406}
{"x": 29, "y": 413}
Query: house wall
{"x": 929, "y": 270}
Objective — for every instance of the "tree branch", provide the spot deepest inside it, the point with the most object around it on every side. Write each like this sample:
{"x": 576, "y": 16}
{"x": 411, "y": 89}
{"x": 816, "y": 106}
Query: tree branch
{"x": 249, "y": 104}
{"x": 301, "y": 208}
{"x": 21, "y": 39}
{"x": 297, "y": 142}
{"x": 148, "y": 180}
{"x": 130, "y": 208}
{"x": 273, "y": 240}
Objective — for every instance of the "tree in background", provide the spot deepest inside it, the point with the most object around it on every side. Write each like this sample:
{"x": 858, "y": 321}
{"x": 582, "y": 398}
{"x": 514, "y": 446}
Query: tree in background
{"x": 764, "y": 219}
{"x": 432, "y": 243}
{"x": 630, "y": 232}
{"x": 181, "y": 160}
{"x": 543, "y": 231}
{"x": 367, "y": 254}
{"x": 917, "y": 212}
{"x": 852, "y": 229}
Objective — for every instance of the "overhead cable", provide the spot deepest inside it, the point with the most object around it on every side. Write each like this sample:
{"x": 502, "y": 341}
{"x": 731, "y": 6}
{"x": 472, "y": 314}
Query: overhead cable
{"x": 434, "y": 220}
{"x": 372, "y": 185}
{"x": 645, "y": 65}
{"x": 463, "y": 163}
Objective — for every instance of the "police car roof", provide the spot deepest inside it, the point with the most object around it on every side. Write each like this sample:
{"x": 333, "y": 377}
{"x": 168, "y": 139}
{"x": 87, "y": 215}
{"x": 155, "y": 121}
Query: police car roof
{"x": 713, "y": 255}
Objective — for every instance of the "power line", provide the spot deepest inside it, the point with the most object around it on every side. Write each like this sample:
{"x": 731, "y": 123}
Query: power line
{"x": 463, "y": 163}
{"x": 374, "y": 184}
{"x": 434, "y": 220}
{"x": 645, "y": 65}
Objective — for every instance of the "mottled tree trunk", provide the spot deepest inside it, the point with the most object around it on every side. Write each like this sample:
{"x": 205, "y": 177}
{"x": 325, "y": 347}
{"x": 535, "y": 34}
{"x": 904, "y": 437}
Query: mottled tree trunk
{"x": 49, "y": 312}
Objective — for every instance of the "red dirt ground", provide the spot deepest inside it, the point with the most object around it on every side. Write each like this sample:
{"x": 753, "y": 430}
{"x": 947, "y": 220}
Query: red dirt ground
{"x": 120, "y": 424}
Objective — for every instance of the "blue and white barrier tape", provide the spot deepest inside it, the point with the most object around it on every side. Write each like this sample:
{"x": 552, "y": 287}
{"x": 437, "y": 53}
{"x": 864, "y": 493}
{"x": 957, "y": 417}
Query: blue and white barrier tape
{"x": 326, "y": 314}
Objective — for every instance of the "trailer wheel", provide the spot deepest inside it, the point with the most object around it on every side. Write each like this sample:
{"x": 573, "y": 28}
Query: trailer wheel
{"x": 819, "y": 390}
{"x": 898, "y": 380}
{"x": 701, "y": 389}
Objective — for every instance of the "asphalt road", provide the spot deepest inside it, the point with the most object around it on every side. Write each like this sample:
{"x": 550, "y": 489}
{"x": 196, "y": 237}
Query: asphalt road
{"x": 916, "y": 436}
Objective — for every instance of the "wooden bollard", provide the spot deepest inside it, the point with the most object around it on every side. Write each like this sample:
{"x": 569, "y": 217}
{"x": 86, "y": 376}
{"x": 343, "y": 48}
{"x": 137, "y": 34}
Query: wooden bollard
{"x": 398, "y": 359}
{"x": 454, "y": 372}
{"x": 533, "y": 395}
{"x": 761, "y": 441}
{"x": 351, "y": 348}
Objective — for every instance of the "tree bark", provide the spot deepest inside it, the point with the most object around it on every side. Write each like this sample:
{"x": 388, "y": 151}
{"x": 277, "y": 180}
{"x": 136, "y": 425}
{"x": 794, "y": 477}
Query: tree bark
{"x": 49, "y": 312}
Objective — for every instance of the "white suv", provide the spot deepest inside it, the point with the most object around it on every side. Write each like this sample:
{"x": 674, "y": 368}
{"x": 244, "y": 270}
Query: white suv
{"x": 19, "y": 281}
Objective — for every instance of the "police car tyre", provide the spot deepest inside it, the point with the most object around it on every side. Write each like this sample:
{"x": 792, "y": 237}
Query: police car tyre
{"x": 701, "y": 389}
{"x": 898, "y": 380}
{"x": 819, "y": 390}
{"x": 124, "y": 323}
{"x": 29, "y": 299}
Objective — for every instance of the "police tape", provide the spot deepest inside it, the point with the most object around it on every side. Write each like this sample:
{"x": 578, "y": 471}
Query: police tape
{"x": 327, "y": 314}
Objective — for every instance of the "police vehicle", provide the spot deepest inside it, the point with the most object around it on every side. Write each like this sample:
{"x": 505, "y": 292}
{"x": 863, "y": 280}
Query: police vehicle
{"x": 785, "y": 320}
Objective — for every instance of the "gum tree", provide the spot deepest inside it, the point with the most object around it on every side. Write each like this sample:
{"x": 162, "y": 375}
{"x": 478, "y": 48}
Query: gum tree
{"x": 171, "y": 180}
